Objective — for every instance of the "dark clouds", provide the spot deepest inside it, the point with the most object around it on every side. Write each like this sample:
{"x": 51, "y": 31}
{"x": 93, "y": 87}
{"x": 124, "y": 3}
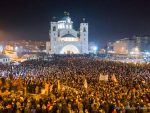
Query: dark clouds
{"x": 108, "y": 19}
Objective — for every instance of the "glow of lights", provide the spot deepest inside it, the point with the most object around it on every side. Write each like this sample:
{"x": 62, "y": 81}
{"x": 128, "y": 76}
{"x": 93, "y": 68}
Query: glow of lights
{"x": 67, "y": 26}
{"x": 1, "y": 48}
{"x": 94, "y": 48}
{"x": 68, "y": 20}
{"x": 147, "y": 53}
{"x": 136, "y": 49}
{"x": 16, "y": 48}
{"x": 61, "y": 26}
{"x": 131, "y": 53}
{"x": 69, "y": 39}
{"x": 70, "y": 26}
{"x": 122, "y": 48}
{"x": 69, "y": 48}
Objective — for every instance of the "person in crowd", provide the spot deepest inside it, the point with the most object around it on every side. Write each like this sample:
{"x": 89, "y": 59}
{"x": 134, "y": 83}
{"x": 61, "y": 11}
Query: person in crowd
{"x": 73, "y": 85}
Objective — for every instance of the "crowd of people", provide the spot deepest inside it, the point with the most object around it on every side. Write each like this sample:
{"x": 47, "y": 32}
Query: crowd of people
{"x": 73, "y": 85}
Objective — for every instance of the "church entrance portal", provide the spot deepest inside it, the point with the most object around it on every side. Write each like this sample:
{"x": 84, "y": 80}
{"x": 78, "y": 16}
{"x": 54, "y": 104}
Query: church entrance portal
{"x": 69, "y": 49}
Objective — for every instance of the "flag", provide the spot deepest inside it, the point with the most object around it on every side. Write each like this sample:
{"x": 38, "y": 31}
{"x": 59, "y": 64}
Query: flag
{"x": 51, "y": 88}
{"x": 113, "y": 78}
{"x": 58, "y": 85}
{"x": 25, "y": 90}
{"x": 103, "y": 77}
{"x": 46, "y": 88}
{"x": 85, "y": 84}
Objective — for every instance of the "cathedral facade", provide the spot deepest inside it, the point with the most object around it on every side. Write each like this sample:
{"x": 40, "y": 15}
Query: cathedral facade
{"x": 64, "y": 39}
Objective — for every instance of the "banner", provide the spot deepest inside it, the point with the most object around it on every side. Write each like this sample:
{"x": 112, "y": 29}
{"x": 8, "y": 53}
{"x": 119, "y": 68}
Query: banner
{"x": 25, "y": 90}
{"x": 103, "y": 77}
{"x": 113, "y": 78}
{"x": 51, "y": 88}
{"x": 85, "y": 84}
{"x": 58, "y": 85}
{"x": 46, "y": 88}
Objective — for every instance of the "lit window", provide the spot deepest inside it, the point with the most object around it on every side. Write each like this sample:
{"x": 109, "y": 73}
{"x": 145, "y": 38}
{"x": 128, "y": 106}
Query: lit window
{"x": 61, "y": 25}
{"x": 70, "y": 26}
{"x": 84, "y": 30}
{"x": 69, "y": 39}
{"x": 68, "y": 20}
{"x": 66, "y": 26}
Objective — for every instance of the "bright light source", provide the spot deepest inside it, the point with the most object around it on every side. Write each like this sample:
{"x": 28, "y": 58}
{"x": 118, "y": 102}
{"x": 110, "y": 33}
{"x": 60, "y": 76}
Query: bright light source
{"x": 16, "y": 48}
{"x": 136, "y": 49}
{"x": 131, "y": 53}
{"x": 147, "y": 53}
{"x": 94, "y": 48}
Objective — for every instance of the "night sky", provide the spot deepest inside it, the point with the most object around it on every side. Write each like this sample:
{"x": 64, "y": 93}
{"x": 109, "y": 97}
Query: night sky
{"x": 108, "y": 19}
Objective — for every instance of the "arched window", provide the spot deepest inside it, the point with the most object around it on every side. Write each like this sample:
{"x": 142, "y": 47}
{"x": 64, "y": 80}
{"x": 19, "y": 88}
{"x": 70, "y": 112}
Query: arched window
{"x": 54, "y": 28}
{"x": 84, "y": 29}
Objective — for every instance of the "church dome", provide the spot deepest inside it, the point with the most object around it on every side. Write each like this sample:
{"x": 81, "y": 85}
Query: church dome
{"x": 64, "y": 18}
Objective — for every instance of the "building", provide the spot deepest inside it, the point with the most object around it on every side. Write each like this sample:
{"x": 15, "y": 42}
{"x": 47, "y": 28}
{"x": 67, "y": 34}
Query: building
{"x": 124, "y": 46}
{"x": 64, "y": 39}
{"x": 143, "y": 43}
{"x": 4, "y": 59}
{"x": 48, "y": 47}
{"x": 25, "y": 46}
{"x": 109, "y": 47}
{"x": 130, "y": 46}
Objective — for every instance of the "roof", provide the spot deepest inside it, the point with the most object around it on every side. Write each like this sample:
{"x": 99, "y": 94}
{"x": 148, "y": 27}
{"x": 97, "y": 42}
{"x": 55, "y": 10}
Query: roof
{"x": 68, "y": 35}
{"x": 65, "y": 18}
{"x": 3, "y": 56}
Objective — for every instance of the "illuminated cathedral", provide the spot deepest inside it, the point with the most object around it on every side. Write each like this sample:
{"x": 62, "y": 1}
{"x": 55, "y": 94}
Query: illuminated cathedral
{"x": 64, "y": 39}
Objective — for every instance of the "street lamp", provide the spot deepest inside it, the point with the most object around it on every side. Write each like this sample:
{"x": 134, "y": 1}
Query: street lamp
{"x": 95, "y": 49}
